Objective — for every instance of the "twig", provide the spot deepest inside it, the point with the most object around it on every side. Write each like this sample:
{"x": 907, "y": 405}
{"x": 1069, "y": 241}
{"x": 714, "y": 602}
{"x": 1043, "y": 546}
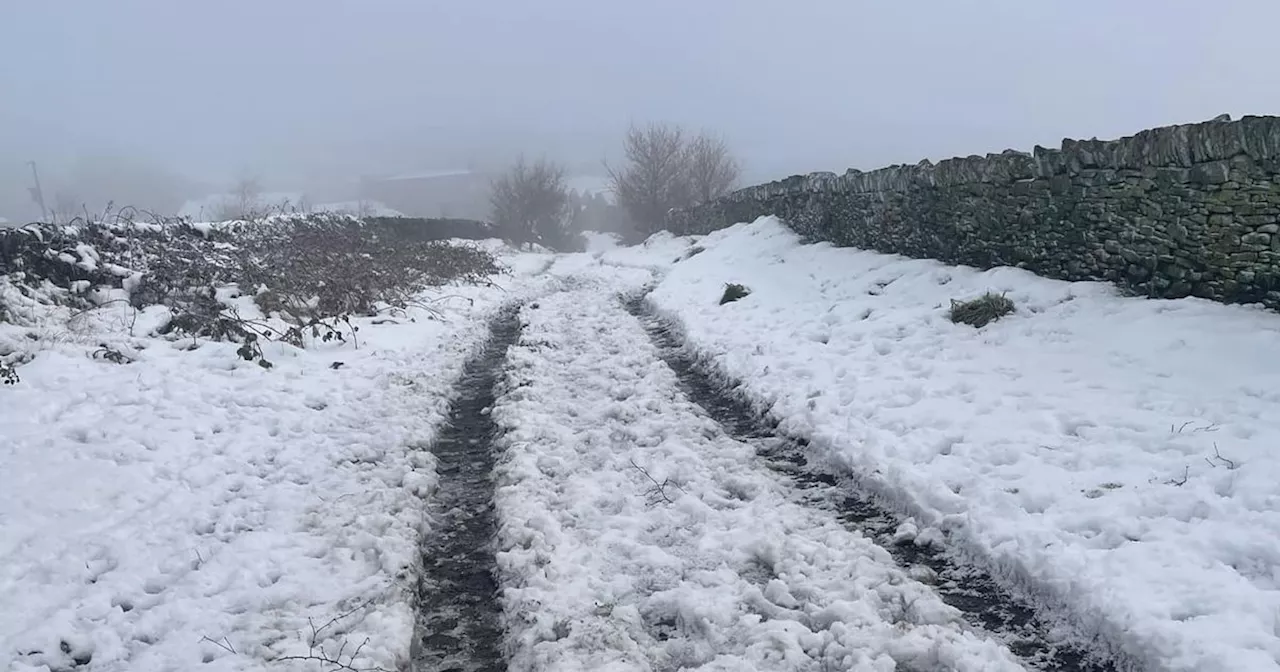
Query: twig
{"x": 336, "y": 661}
{"x": 1231, "y": 464}
{"x": 316, "y": 653}
{"x": 1211, "y": 427}
{"x": 1185, "y": 475}
{"x": 225, "y": 647}
{"x": 659, "y": 490}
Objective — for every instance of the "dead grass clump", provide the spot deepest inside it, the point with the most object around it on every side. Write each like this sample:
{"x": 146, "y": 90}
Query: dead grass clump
{"x": 732, "y": 292}
{"x": 981, "y": 311}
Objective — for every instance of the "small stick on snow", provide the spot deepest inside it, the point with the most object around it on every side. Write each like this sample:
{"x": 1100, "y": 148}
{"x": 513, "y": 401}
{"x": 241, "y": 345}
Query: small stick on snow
{"x": 316, "y": 653}
{"x": 659, "y": 490}
{"x": 225, "y": 647}
{"x": 1231, "y": 464}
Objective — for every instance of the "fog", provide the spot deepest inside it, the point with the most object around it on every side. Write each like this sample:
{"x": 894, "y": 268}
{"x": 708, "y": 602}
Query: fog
{"x": 151, "y": 102}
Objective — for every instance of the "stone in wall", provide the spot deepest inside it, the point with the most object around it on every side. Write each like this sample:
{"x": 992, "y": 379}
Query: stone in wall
{"x": 1169, "y": 212}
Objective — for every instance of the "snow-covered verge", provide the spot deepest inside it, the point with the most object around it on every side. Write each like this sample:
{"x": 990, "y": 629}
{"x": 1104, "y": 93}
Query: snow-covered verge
{"x": 180, "y": 507}
{"x": 635, "y": 535}
{"x": 1115, "y": 456}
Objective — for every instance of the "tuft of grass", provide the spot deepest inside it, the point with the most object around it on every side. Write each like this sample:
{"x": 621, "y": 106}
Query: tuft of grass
{"x": 981, "y": 311}
{"x": 732, "y": 292}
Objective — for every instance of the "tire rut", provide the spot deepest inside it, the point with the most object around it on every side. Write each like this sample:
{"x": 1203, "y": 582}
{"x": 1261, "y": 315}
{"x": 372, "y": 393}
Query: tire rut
{"x": 972, "y": 590}
{"x": 458, "y": 623}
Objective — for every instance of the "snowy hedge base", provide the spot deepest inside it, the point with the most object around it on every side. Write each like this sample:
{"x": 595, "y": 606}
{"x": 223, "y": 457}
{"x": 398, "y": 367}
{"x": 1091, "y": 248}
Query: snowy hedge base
{"x": 307, "y": 275}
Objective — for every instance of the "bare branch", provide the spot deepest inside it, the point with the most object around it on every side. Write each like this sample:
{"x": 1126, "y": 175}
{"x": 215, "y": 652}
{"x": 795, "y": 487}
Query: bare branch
{"x": 1231, "y": 465}
{"x": 316, "y": 652}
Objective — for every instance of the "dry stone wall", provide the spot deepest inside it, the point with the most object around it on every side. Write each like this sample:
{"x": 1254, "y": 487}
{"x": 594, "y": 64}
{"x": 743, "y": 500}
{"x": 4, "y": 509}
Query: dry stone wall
{"x": 1190, "y": 210}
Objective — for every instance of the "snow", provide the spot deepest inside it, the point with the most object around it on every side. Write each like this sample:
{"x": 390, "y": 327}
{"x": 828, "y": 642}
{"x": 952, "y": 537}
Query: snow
{"x": 191, "y": 509}
{"x": 601, "y": 242}
{"x": 655, "y": 254}
{"x": 637, "y": 536}
{"x": 1113, "y": 456}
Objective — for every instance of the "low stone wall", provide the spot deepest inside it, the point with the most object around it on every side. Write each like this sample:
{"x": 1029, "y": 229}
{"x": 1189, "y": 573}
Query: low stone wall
{"x": 1169, "y": 212}
{"x": 421, "y": 229}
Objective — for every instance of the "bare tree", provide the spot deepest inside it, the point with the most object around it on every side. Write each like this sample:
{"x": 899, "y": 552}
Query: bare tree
{"x": 531, "y": 203}
{"x": 666, "y": 169}
{"x": 712, "y": 169}
{"x": 654, "y": 178}
{"x": 242, "y": 202}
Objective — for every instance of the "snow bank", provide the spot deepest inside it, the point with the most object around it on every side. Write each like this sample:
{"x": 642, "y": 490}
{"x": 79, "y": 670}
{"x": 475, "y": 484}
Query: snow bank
{"x": 657, "y": 253}
{"x": 601, "y": 242}
{"x": 635, "y": 535}
{"x": 1117, "y": 455}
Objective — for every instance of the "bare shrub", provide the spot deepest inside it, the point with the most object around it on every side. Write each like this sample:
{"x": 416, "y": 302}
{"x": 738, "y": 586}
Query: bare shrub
{"x": 655, "y": 176}
{"x": 531, "y": 203}
{"x": 243, "y": 202}
{"x": 733, "y": 292}
{"x": 665, "y": 168}
{"x": 315, "y": 273}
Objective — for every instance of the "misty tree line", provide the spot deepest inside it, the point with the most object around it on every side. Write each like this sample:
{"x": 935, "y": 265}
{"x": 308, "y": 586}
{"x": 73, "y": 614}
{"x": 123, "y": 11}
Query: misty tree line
{"x": 663, "y": 168}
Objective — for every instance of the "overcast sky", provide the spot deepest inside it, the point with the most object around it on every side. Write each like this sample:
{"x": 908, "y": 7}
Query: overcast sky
{"x": 298, "y": 89}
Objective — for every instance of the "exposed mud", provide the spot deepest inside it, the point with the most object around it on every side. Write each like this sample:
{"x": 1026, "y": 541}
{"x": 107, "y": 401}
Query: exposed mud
{"x": 458, "y": 628}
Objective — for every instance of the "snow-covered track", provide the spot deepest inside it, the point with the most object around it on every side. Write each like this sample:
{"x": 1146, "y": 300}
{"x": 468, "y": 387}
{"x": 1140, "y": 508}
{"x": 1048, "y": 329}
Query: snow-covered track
{"x": 458, "y": 626}
{"x": 636, "y": 534}
{"x": 960, "y": 583}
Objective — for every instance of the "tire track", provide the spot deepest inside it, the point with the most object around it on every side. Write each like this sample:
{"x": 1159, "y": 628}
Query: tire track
{"x": 637, "y": 535}
{"x": 971, "y": 589}
{"x": 458, "y": 625}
